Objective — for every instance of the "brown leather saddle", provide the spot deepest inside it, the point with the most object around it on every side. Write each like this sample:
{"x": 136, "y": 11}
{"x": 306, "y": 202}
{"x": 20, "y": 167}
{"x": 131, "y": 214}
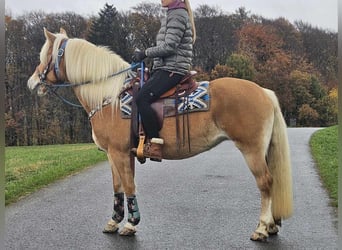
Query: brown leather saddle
{"x": 183, "y": 89}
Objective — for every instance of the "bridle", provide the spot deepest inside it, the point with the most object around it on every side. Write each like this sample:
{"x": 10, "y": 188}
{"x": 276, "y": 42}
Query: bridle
{"x": 42, "y": 76}
{"x": 53, "y": 85}
{"x": 56, "y": 66}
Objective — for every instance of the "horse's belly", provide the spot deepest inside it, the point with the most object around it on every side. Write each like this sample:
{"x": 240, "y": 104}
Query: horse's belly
{"x": 198, "y": 144}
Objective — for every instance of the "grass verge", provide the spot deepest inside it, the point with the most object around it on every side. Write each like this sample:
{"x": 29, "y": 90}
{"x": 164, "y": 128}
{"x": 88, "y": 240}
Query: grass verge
{"x": 323, "y": 145}
{"x": 29, "y": 168}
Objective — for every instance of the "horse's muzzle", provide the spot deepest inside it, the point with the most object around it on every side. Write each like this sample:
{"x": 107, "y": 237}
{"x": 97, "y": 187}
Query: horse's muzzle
{"x": 36, "y": 86}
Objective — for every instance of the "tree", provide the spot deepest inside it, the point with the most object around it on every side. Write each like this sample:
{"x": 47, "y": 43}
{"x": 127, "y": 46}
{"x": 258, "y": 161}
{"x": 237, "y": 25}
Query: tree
{"x": 29, "y": 119}
{"x": 298, "y": 62}
{"x": 216, "y": 38}
{"x": 206, "y": 11}
{"x": 15, "y": 60}
{"x": 307, "y": 116}
{"x": 221, "y": 71}
{"x": 107, "y": 30}
{"x": 242, "y": 67}
{"x": 320, "y": 47}
{"x": 327, "y": 107}
{"x": 263, "y": 46}
{"x": 291, "y": 37}
{"x": 260, "y": 42}
{"x": 144, "y": 24}
{"x": 312, "y": 102}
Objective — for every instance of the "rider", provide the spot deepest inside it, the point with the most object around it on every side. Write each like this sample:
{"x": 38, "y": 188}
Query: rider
{"x": 172, "y": 58}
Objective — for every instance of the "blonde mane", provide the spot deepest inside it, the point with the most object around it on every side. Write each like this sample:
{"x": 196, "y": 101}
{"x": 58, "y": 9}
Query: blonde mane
{"x": 87, "y": 62}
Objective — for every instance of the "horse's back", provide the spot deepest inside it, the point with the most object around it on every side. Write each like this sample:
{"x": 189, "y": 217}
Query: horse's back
{"x": 239, "y": 96}
{"x": 237, "y": 90}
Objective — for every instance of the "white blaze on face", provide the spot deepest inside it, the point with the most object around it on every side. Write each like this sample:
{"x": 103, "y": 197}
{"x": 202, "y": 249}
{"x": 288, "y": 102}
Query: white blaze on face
{"x": 33, "y": 82}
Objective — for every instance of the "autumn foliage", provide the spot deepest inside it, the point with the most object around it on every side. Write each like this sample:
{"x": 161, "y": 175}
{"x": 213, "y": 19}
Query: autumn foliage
{"x": 297, "y": 61}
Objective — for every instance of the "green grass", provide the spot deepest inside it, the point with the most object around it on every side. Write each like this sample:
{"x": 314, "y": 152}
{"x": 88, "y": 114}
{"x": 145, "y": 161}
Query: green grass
{"x": 324, "y": 150}
{"x": 30, "y": 168}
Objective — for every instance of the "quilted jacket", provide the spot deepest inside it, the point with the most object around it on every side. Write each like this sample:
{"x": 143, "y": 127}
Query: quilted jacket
{"x": 173, "y": 50}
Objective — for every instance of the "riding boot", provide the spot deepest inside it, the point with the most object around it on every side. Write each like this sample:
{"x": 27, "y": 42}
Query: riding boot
{"x": 153, "y": 149}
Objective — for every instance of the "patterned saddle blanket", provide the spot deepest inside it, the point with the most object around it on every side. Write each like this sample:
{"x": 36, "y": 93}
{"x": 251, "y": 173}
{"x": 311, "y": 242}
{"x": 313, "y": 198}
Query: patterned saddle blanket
{"x": 198, "y": 100}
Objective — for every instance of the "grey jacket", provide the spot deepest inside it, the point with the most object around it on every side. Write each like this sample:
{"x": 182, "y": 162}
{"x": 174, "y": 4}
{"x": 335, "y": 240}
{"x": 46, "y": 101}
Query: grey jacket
{"x": 173, "y": 51}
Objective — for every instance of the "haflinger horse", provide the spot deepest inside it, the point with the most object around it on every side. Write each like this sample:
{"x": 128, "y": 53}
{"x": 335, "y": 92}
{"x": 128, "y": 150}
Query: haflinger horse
{"x": 240, "y": 111}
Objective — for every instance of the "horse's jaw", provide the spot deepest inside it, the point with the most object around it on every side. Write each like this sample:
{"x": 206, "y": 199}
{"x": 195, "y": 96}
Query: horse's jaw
{"x": 35, "y": 86}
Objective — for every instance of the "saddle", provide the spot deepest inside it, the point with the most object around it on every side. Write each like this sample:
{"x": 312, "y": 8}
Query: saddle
{"x": 186, "y": 86}
{"x": 183, "y": 89}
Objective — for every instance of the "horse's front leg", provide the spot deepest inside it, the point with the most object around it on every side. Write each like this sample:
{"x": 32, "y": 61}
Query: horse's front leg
{"x": 118, "y": 203}
{"x": 123, "y": 182}
{"x": 133, "y": 217}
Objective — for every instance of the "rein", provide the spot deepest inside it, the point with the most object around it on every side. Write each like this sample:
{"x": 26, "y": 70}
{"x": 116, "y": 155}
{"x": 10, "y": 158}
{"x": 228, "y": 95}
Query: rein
{"x": 68, "y": 84}
{"x": 54, "y": 91}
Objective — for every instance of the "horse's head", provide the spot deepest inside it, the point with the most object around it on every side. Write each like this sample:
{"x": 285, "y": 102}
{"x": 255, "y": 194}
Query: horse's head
{"x": 45, "y": 73}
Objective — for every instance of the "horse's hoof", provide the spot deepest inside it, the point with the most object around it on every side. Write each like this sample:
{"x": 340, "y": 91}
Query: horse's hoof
{"x": 128, "y": 230}
{"x": 258, "y": 237}
{"x": 273, "y": 229}
{"x": 111, "y": 227}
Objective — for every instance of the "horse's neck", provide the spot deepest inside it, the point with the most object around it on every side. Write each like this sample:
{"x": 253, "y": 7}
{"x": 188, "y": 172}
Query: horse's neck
{"x": 106, "y": 73}
{"x": 87, "y": 108}
{"x": 81, "y": 100}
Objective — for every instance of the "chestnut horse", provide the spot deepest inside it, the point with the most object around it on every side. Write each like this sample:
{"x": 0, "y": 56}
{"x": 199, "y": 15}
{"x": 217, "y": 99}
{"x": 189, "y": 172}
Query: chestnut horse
{"x": 240, "y": 111}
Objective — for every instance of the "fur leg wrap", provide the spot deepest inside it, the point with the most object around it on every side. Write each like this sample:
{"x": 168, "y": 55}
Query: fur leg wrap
{"x": 133, "y": 210}
{"x": 119, "y": 207}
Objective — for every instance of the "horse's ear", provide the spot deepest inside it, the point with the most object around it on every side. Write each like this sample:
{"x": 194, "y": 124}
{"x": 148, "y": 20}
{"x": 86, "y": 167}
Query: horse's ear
{"x": 62, "y": 31}
{"x": 49, "y": 36}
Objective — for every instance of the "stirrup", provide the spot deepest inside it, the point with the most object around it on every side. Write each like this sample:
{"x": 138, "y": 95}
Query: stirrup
{"x": 139, "y": 151}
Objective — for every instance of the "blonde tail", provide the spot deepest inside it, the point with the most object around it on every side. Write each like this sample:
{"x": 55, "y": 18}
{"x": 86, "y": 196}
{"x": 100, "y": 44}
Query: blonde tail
{"x": 279, "y": 163}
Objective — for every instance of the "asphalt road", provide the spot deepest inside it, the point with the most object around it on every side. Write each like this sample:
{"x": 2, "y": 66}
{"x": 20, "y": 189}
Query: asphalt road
{"x": 206, "y": 202}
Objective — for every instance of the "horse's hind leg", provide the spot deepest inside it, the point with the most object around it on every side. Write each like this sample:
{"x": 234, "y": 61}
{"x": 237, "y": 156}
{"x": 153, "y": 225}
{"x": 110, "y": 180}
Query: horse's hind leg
{"x": 258, "y": 166}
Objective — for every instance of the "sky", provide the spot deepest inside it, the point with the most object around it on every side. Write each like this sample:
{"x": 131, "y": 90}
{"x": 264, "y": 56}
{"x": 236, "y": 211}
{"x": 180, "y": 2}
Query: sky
{"x": 318, "y": 13}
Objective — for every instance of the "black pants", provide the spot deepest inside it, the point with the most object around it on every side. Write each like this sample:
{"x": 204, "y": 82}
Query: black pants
{"x": 159, "y": 82}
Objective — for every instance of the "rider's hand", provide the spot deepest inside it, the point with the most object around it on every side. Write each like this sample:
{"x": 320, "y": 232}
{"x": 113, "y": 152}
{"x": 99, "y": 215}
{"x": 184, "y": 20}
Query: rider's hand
{"x": 138, "y": 56}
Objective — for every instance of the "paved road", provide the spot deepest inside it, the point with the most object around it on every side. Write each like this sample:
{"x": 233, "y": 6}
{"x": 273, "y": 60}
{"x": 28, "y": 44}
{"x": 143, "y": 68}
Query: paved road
{"x": 206, "y": 202}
